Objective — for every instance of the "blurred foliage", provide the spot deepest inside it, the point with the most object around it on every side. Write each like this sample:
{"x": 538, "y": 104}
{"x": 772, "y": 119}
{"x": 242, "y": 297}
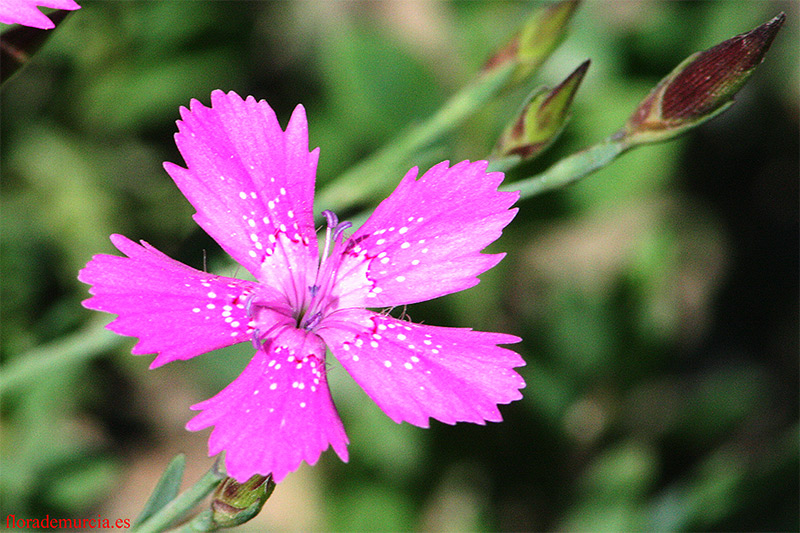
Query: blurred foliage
{"x": 657, "y": 299}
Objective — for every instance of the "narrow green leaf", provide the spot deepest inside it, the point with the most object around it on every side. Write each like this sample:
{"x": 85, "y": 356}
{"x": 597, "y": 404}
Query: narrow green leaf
{"x": 18, "y": 45}
{"x": 166, "y": 489}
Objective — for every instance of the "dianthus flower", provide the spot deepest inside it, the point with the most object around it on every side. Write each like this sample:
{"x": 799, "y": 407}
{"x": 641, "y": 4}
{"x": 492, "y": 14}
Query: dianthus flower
{"x": 26, "y": 12}
{"x": 252, "y": 185}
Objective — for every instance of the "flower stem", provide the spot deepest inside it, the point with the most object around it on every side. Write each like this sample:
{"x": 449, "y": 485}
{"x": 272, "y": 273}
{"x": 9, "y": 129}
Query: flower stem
{"x": 570, "y": 169}
{"x": 81, "y": 346}
{"x": 369, "y": 177}
{"x": 185, "y": 502}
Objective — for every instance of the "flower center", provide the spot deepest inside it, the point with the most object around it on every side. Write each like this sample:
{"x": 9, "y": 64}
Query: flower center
{"x": 320, "y": 291}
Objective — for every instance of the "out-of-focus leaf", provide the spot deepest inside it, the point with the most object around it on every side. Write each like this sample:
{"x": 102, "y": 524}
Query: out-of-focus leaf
{"x": 166, "y": 490}
{"x": 18, "y": 45}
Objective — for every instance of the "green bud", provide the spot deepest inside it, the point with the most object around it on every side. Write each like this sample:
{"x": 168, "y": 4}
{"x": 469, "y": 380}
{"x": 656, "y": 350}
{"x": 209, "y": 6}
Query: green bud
{"x": 700, "y": 88}
{"x": 537, "y": 39}
{"x": 541, "y": 120}
{"x": 235, "y": 503}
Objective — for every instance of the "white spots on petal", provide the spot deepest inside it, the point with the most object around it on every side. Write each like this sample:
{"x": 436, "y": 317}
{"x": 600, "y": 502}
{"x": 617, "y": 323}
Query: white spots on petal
{"x": 380, "y": 241}
{"x": 243, "y": 195}
{"x": 252, "y": 254}
{"x": 196, "y": 310}
{"x": 271, "y": 204}
{"x": 400, "y": 278}
{"x": 409, "y": 366}
{"x": 283, "y": 191}
{"x": 290, "y": 214}
{"x": 401, "y": 337}
{"x": 374, "y": 344}
{"x": 402, "y": 230}
{"x": 253, "y": 195}
{"x": 414, "y": 359}
{"x": 415, "y": 262}
{"x": 235, "y": 324}
{"x": 211, "y": 306}
{"x": 273, "y": 386}
{"x": 387, "y": 363}
{"x": 355, "y": 358}
{"x": 251, "y": 223}
{"x": 302, "y": 404}
{"x": 405, "y": 245}
{"x": 346, "y": 347}
{"x": 424, "y": 250}
{"x": 282, "y": 227}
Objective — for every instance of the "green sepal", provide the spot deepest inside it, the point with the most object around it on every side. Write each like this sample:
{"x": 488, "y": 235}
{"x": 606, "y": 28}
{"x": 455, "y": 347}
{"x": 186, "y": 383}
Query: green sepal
{"x": 235, "y": 503}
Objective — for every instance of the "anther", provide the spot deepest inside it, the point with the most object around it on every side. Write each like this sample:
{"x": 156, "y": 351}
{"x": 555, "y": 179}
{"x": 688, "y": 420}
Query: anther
{"x": 339, "y": 229}
{"x": 331, "y": 218}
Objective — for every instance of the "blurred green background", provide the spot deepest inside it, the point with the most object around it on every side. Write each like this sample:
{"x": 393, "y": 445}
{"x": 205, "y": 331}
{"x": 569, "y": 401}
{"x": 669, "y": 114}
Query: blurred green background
{"x": 657, "y": 300}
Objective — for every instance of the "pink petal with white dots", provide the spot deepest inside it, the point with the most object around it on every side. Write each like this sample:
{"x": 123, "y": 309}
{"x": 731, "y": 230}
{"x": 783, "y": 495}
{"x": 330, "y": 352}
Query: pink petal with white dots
{"x": 425, "y": 239}
{"x": 416, "y": 372}
{"x": 277, "y": 413}
{"x": 252, "y": 185}
{"x": 175, "y": 310}
{"x": 26, "y": 12}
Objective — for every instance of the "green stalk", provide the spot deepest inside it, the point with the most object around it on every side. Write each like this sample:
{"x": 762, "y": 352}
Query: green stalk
{"x": 78, "y": 347}
{"x": 371, "y": 176}
{"x": 185, "y": 502}
{"x": 570, "y": 169}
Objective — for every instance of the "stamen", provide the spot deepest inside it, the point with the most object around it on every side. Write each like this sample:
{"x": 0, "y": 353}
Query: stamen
{"x": 313, "y": 290}
{"x": 312, "y": 321}
{"x": 340, "y": 229}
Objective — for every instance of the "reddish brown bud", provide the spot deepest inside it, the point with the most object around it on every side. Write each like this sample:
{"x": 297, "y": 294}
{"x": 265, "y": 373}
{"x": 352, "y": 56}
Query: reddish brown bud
{"x": 701, "y": 87}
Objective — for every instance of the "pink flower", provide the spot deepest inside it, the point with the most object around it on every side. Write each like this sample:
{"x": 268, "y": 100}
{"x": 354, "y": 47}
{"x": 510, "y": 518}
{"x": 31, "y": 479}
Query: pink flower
{"x": 253, "y": 185}
{"x": 26, "y": 12}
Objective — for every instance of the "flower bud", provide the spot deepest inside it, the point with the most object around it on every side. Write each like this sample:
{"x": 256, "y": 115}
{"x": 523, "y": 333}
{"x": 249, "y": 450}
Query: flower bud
{"x": 701, "y": 87}
{"x": 537, "y": 39}
{"x": 542, "y": 118}
{"x": 235, "y": 503}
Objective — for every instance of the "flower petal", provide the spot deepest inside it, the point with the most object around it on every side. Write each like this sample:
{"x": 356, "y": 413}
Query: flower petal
{"x": 414, "y": 372}
{"x": 175, "y": 310}
{"x": 425, "y": 239}
{"x": 25, "y": 12}
{"x": 277, "y": 413}
{"x": 252, "y": 185}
